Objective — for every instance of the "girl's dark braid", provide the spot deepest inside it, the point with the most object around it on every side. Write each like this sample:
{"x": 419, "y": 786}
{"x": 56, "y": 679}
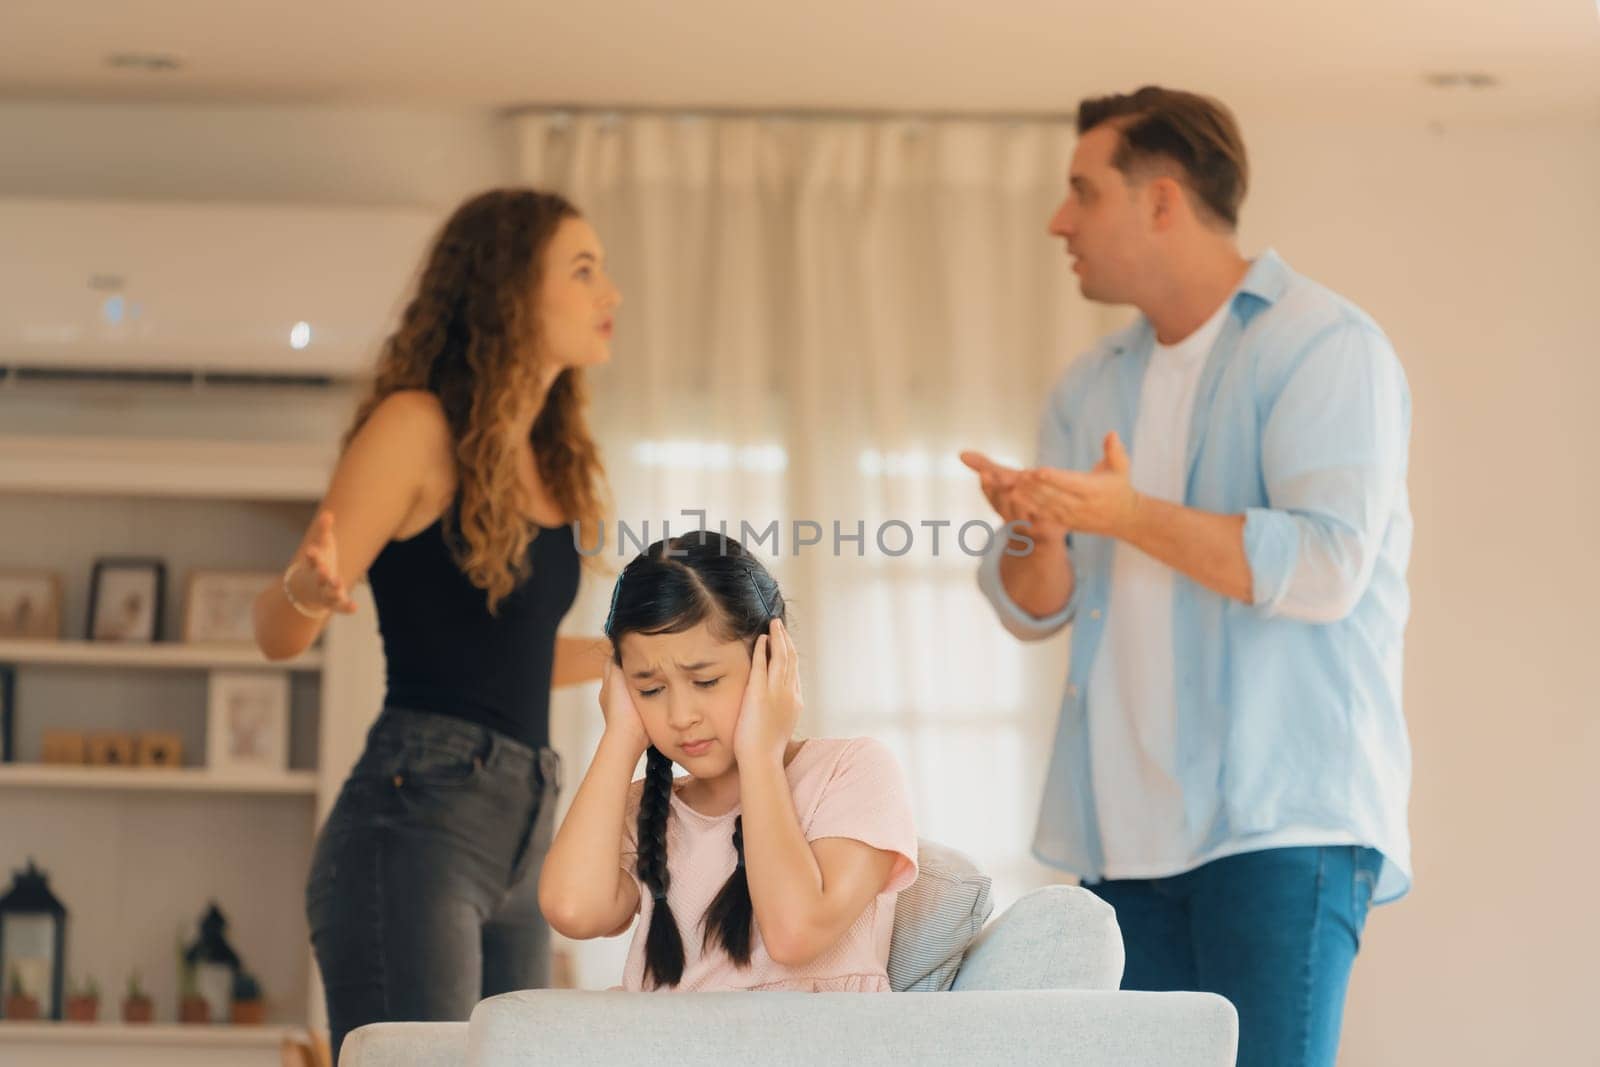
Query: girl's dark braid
{"x": 663, "y": 951}
{"x": 731, "y": 916}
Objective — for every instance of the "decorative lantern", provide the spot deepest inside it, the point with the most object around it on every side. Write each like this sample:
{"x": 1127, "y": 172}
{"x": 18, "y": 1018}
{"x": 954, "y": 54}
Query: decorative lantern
{"x": 214, "y": 964}
{"x": 33, "y": 935}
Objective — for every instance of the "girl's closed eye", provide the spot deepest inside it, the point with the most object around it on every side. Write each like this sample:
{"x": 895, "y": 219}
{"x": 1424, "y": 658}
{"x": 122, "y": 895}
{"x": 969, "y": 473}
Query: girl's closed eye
{"x": 706, "y": 683}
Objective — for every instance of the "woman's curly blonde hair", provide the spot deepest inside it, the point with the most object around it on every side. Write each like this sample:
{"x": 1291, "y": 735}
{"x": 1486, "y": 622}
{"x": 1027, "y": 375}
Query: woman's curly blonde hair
{"x": 467, "y": 337}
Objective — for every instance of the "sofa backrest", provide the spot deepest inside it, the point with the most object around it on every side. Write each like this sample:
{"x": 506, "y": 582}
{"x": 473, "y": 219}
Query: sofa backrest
{"x": 1079, "y": 1028}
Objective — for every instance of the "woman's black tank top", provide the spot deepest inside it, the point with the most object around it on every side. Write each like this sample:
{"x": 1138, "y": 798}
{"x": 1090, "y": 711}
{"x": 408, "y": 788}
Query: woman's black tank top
{"x": 446, "y": 654}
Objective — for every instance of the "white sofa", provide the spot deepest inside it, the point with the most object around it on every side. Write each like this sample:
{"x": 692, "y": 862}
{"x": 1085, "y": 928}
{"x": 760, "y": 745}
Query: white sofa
{"x": 1038, "y": 985}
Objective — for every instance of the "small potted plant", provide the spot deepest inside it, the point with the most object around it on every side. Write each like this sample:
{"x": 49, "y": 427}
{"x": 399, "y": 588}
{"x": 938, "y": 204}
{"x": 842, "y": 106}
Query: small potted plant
{"x": 20, "y": 1005}
{"x": 83, "y": 1002}
{"x": 249, "y": 1007}
{"x": 136, "y": 1006}
{"x": 192, "y": 1007}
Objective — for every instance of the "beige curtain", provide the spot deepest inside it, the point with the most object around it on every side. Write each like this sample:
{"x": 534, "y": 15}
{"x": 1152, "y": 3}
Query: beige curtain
{"x": 818, "y": 316}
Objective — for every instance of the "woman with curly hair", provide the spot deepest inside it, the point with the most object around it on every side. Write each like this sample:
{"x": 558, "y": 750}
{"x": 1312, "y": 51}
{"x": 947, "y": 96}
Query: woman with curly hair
{"x": 464, "y": 484}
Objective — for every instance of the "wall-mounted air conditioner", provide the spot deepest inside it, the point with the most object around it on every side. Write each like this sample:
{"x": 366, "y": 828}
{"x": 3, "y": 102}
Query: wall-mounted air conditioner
{"x": 145, "y": 290}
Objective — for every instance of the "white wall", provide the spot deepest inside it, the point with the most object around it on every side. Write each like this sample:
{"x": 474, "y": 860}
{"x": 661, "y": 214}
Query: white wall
{"x": 316, "y": 155}
{"x": 1476, "y": 251}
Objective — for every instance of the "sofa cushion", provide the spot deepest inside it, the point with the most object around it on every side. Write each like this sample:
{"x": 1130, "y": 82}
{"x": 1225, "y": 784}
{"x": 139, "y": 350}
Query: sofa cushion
{"x": 935, "y": 919}
{"x": 1057, "y": 937}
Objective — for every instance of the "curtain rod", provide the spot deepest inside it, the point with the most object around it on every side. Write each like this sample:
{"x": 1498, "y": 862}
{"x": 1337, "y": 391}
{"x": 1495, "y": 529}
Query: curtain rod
{"x": 798, "y": 114}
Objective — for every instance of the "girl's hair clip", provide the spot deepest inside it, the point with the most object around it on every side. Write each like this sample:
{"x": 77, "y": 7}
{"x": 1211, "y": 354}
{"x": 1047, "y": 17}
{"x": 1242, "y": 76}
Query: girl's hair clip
{"x": 612, "y": 614}
{"x": 659, "y": 895}
{"x": 765, "y": 607}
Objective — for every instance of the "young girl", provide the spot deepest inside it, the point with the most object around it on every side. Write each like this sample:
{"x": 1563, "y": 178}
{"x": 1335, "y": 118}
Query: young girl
{"x": 775, "y": 864}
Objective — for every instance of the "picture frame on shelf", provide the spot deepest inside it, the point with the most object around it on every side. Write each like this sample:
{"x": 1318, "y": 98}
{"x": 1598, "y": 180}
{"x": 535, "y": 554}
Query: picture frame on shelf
{"x": 127, "y": 599}
{"x": 30, "y": 604}
{"x": 247, "y": 722}
{"x": 219, "y": 606}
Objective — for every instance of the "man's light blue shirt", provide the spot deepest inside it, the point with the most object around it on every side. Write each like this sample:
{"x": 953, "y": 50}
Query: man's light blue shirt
{"x": 1288, "y": 709}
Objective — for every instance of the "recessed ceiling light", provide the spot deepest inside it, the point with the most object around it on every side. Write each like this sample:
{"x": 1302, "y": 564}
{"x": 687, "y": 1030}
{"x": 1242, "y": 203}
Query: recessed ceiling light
{"x": 149, "y": 62}
{"x": 1461, "y": 79}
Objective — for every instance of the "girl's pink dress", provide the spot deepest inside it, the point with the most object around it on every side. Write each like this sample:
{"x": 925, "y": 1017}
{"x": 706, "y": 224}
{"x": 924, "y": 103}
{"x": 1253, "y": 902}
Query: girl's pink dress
{"x": 843, "y": 787}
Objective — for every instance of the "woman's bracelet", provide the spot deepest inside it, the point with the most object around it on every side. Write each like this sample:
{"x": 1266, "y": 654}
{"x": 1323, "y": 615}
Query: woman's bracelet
{"x": 288, "y": 595}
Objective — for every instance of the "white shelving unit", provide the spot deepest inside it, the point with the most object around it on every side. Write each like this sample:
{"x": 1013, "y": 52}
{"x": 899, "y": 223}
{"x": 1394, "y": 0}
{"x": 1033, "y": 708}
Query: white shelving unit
{"x": 159, "y": 779}
{"x": 100, "y": 1033}
{"x": 160, "y": 655}
{"x": 109, "y": 828}
{"x": 71, "y": 1044}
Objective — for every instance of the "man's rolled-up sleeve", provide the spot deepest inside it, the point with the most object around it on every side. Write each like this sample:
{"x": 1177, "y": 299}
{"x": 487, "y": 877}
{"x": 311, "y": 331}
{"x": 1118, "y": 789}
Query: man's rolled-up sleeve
{"x": 1333, "y": 457}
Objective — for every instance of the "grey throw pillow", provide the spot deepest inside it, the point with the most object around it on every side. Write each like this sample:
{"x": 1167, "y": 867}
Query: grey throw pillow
{"x": 935, "y": 919}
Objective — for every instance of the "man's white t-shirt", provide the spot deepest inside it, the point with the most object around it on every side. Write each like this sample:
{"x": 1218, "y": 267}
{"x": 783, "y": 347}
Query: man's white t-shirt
{"x": 1132, "y": 699}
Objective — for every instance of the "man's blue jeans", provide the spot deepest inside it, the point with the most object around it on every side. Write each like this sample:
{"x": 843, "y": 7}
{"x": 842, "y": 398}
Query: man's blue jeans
{"x": 1274, "y": 931}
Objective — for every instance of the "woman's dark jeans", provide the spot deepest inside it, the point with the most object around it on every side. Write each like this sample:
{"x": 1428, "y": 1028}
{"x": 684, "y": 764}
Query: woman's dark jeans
{"x": 423, "y": 896}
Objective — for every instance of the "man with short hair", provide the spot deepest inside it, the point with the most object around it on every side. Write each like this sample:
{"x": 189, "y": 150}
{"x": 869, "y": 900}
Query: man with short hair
{"x": 1231, "y": 768}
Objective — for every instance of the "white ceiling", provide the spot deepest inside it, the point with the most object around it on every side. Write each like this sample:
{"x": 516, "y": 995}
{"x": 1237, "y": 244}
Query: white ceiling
{"x": 1361, "y": 58}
